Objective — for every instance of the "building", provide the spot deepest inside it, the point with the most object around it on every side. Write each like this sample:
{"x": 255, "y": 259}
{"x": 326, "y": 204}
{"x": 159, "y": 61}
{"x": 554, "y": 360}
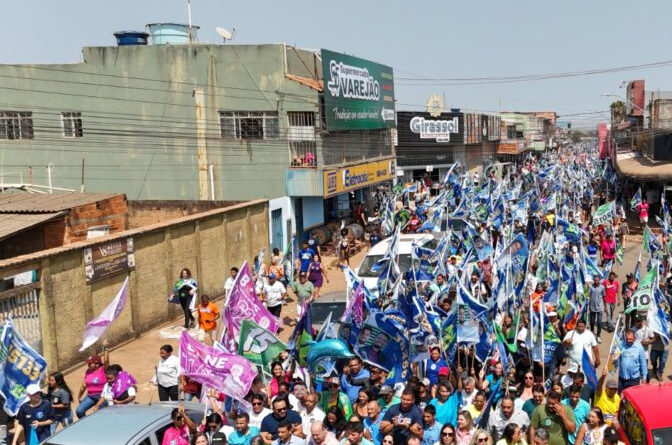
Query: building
{"x": 428, "y": 143}
{"x": 186, "y": 121}
{"x": 522, "y": 131}
{"x": 34, "y": 222}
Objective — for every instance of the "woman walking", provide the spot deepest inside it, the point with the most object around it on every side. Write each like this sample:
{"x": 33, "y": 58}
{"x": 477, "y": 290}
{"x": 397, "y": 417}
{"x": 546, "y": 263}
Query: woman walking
{"x": 317, "y": 274}
{"x": 167, "y": 374}
{"x": 184, "y": 290}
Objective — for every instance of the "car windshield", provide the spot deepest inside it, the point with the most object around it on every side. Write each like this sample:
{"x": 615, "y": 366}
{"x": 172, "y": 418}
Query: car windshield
{"x": 370, "y": 261}
{"x": 662, "y": 436}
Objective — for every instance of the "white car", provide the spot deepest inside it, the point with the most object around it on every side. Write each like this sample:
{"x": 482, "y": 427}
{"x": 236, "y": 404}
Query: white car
{"x": 377, "y": 252}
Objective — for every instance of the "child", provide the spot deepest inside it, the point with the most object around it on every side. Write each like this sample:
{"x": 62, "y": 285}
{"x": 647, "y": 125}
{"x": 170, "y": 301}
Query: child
{"x": 207, "y": 319}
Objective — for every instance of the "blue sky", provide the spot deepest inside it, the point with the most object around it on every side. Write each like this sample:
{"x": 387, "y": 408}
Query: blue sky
{"x": 418, "y": 38}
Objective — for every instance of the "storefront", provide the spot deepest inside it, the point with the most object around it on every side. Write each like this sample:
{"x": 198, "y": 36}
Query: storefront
{"x": 510, "y": 150}
{"x": 357, "y": 183}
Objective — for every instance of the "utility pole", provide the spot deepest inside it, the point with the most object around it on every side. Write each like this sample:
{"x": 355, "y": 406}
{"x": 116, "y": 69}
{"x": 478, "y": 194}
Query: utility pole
{"x": 199, "y": 103}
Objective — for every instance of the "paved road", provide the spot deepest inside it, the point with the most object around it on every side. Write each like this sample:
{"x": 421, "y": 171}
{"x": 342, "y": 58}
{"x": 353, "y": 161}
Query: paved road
{"x": 140, "y": 355}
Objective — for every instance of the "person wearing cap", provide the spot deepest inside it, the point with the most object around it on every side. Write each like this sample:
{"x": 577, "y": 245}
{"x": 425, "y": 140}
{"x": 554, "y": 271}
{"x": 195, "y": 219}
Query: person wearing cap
{"x": 94, "y": 381}
{"x": 386, "y": 397}
{"x": 632, "y": 365}
{"x": 607, "y": 397}
{"x": 611, "y": 437}
{"x": 333, "y": 396}
{"x": 35, "y": 413}
{"x": 273, "y": 294}
{"x": 304, "y": 291}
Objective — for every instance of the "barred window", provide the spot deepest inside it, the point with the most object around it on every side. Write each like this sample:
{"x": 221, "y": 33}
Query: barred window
{"x": 72, "y": 124}
{"x": 248, "y": 125}
{"x": 16, "y": 125}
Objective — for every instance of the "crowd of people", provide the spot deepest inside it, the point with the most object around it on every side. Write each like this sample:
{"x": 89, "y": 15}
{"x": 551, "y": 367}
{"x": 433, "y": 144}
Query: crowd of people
{"x": 524, "y": 389}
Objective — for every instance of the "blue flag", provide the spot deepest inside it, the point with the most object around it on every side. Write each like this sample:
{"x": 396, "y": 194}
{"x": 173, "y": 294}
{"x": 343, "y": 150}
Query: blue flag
{"x": 636, "y": 199}
{"x": 21, "y": 366}
{"x": 589, "y": 370}
{"x": 383, "y": 343}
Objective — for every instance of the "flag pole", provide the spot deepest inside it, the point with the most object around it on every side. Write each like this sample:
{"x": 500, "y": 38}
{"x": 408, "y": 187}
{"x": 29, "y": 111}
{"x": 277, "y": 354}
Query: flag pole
{"x": 611, "y": 346}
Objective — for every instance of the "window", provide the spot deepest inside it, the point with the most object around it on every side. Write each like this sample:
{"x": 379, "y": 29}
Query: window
{"x": 301, "y": 135}
{"x": 72, "y": 124}
{"x": 301, "y": 119}
{"x": 511, "y": 132}
{"x": 248, "y": 125}
{"x": 16, "y": 125}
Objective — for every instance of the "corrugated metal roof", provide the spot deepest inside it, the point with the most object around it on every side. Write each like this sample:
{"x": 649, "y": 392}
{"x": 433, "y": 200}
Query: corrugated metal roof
{"x": 12, "y": 223}
{"x": 47, "y": 203}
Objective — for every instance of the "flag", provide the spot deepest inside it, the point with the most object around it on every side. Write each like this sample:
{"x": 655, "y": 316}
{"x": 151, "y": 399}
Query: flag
{"x": 213, "y": 368}
{"x": 641, "y": 299}
{"x": 288, "y": 259}
{"x": 97, "y": 327}
{"x": 449, "y": 334}
{"x": 244, "y": 305}
{"x": 20, "y": 366}
{"x": 383, "y": 342}
{"x": 327, "y": 329}
{"x": 260, "y": 346}
{"x": 354, "y": 310}
{"x": 589, "y": 370}
{"x": 570, "y": 231}
{"x": 502, "y": 340}
{"x": 470, "y": 316}
{"x": 302, "y": 337}
{"x": 658, "y": 318}
{"x": 636, "y": 199}
{"x": 650, "y": 241}
{"x": 604, "y": 213}
{"x": 619, "y": 252}
{"x": 638, "y": 266}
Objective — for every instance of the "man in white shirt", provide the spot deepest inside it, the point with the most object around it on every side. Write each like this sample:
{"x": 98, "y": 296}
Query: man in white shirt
{"x": 258, "y": 411}
{"x": 228, "y": 284}
{"x": 578, "y": 339}
{"x": 310, "y": 413}
{"x": 273, "y": 295}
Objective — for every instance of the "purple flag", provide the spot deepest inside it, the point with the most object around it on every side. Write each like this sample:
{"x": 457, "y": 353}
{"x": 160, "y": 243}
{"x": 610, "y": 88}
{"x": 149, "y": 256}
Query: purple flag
{"x": 243, "y": 304}
{"x": 228, "y": 373}
{"x": 97, "y": 327}
{"x": 355, "y": 306}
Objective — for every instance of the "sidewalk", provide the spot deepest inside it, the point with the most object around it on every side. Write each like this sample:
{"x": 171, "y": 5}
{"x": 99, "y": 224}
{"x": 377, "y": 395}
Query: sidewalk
{"x": 140, "y": 356}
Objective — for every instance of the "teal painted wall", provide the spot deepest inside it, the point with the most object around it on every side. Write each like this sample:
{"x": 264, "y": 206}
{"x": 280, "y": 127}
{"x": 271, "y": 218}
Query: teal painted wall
{"x": 139, "y": 119}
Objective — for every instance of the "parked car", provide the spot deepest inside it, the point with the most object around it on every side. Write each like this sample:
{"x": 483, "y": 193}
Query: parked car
{"x": 124, "y": 425}
{"x": 643, "y": 416}
{"x": 377, "y": 252}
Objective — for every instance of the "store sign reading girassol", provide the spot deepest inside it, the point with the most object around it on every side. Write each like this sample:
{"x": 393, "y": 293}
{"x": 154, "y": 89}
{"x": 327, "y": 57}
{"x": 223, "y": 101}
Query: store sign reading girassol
{"x": 349, "y": 178}
{"x": 438, "y": 129}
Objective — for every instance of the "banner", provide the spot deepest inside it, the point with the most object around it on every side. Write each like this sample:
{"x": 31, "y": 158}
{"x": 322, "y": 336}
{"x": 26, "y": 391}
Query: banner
{"x": 244, "y": 305}
{"x": 604, "y": 213}
{"x": 260, "y": 346}
{"x": 97, "y": 327}
{"x": 229, "y": 373}
{"x": 383, "y": 343}
{"x": 20, "y": 365}
{"x": 641, "y": 299}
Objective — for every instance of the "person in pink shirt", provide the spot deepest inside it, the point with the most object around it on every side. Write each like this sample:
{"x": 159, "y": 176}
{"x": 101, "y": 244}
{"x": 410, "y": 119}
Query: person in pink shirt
{"x": 611, "y": 287}
{"x": 643, "y": 209}
{"x": 94, "y": 381}
{"x": 608, "y": 249}
{"x": 178, "y": 433}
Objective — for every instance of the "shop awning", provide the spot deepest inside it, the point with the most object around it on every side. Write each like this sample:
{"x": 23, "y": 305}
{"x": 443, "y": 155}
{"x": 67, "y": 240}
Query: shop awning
{"x": 639, "y": 168}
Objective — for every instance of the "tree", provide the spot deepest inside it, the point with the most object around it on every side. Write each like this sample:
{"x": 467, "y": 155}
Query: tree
{"x": 618, "y": 110}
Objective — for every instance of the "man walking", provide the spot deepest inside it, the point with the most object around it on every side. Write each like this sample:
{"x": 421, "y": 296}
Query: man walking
{"x": 611, "y": 300}
{"x": 596, "y": 294}
{"x": 632, "y": 367}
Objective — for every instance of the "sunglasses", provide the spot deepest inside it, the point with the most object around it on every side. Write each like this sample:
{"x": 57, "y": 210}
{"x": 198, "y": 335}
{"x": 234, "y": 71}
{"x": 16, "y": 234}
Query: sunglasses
{"x": 256, "y": 403}
{"x": 281, "y": 409}
{"x": 451, "y": 434}
{"x": 387, "y": 441}
{"x": 482, "y": 440}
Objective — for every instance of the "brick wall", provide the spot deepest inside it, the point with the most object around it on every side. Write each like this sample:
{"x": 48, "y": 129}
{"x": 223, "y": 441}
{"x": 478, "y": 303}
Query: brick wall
{"x": 208, "y": 244}
{"x": 112, "y": 212}
{"x": 146, "y": 212}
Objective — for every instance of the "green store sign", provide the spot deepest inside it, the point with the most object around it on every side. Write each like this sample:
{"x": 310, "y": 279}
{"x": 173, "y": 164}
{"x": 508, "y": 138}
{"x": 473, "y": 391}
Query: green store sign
{"x": 358, "y": 94}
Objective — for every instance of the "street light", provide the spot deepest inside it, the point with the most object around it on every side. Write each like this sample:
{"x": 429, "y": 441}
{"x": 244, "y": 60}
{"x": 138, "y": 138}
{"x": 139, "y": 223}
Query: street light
{"x": 624, "y": 99}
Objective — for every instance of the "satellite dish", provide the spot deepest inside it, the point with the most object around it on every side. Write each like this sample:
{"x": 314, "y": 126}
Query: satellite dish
{"x": 226, "y": 35}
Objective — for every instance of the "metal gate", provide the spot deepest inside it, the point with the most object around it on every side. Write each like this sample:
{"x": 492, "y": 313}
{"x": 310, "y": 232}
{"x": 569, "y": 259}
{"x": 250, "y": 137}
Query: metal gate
{"x": 21, "y": 303}
{"x": 276, "y": 230}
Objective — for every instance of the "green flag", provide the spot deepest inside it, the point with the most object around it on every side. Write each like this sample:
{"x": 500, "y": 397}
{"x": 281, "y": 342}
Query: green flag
{"x": 259, "y": 345}
{"x": 619, "y": 253}
{"x": 511, "y": 347}
{"x": 641, "y": 299}
{"x": 604, "y": 213}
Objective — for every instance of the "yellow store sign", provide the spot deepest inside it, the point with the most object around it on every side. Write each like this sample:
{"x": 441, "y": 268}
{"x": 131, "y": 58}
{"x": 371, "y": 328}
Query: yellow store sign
{"x": 345, "y": 179}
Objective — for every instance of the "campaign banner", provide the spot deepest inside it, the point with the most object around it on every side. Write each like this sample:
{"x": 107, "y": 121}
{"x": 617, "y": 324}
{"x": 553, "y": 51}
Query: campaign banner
{"x": 260, "y": 346}
{"x": 383, "y": 343}
{"x": 20, "y": 366}
{"x": 243, "y": 304}
{"x": 213, "y": 368}
{"x": 97, "y": 327}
